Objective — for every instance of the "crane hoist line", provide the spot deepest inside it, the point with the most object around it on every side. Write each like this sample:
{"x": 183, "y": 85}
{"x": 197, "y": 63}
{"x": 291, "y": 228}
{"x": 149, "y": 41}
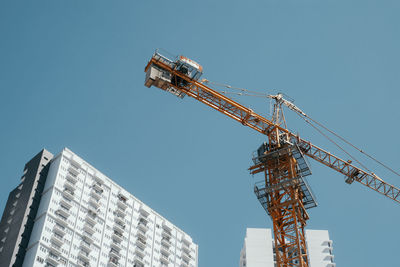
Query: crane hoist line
{"x": 284, "y": 192}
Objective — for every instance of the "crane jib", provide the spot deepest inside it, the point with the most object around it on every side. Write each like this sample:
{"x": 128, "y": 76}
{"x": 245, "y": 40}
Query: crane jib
{"x": 247, "y": 117}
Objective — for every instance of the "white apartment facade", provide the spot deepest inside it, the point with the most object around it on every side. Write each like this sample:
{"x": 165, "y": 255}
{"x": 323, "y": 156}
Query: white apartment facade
{"x": 86, "y": 219}
{"x": 258, "y": 248}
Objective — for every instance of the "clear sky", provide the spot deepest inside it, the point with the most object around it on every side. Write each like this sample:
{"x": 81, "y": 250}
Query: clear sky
{"x": 71, "y": 75}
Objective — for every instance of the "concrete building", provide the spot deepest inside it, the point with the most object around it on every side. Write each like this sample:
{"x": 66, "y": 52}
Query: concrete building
{"x": 258, "y": 248}
{"x": 67, "y": 213}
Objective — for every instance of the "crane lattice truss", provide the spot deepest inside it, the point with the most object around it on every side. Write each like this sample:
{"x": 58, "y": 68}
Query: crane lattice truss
{"x": 284, "y": 193}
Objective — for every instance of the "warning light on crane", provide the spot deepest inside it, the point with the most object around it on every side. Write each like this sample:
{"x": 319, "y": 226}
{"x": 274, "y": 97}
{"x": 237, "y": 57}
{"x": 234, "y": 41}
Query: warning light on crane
{"x": 284, "y": 192}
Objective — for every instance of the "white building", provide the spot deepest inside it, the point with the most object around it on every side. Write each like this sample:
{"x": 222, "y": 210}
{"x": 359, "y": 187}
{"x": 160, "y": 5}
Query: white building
{"x": 258, "y": 248}
{"x": 86, "y": 219}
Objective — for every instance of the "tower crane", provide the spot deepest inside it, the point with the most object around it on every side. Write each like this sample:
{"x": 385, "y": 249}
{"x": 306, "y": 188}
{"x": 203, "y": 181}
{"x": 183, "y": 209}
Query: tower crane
{"x": 284, "y": 192}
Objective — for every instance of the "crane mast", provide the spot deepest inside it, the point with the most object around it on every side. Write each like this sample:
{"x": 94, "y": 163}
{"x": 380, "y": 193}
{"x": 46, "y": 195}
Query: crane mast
{"x": 284, "y": 192}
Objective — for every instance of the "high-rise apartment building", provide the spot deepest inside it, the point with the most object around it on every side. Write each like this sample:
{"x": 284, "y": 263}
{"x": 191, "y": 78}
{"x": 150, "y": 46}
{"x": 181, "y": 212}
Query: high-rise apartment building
{"x": 67, "y": 213}
{"x": 258, "y": 248}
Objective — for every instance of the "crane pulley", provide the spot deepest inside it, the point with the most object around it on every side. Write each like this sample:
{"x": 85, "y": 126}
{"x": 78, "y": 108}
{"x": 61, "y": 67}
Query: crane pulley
{"x": 284, "y": 193}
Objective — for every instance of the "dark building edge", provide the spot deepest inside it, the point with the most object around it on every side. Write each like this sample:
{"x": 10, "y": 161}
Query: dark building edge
{"x": 21, "y": 208}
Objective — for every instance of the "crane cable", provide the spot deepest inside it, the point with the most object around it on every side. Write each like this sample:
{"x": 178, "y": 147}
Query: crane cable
{"x": 234, "y": 88}
{"x": 307, "y": 119}
{"x": 350, "y": 144}
{"x": 336, "y": 144}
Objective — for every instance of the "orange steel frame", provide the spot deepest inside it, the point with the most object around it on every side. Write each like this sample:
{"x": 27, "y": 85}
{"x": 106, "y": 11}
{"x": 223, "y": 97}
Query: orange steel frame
{"x": 257, "y": 122}
{"x": 285, "y": 204}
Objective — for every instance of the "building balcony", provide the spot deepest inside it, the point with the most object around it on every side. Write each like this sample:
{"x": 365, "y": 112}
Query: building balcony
{"x": 119, "y": 220}
{"x": 72, "y": 179}
{"x": 165, "y": 250}
{"x": 116, "y": 246}
{"x": 89, "y": 229}
{"x": 138, "y": 261}
{"x": 114, "y": 253}
{"x": 185, "y": 249}
{"x": 144, "y": 211}
{"x": 186, "y": 257}
{"x": 143, "y": 219}
{"x": 66, "y": 199}
{"x": 61, "y": 220}
{"x": 166, "y": 242}
{"x": 119, "y": 228}
{"x": 122, "y": 205}
{"x": 166, "y": 234}
{"x": 140, "y": 252}
{"x": 122, "y": 198}
{"x": 69, "y": 185}
{"x": 186, "y": 241}
{"x": 96, "y": 194}
{"x": 52, "y": 260}
{"x": 59, "y": 229}
{"x": 55, "y": 249}
{"x": 141, "y": 243}
{"x": 98, "y": 179}
{"x": 143, "y": 227}
{"x": 74, "y": 162}
{"x": 141, "y": 234}
{"x": 119, "y": 233}
{"x": 117, "y": 237}
{"x": 112, "y": 264}
{"x": 64, "y": 202}
{"x": 167, "y": 226}
{"x": 68, "y": 194}
{"x": 164, "y": 259}
{"x": 90, "y": 220}
{"x": 84, "y": 256}
{"x": 82, "y": 263}
{"x": 120, "y": 213}
{"x": 97, "y": 186}
{"x": 57, "y": 239}
{"x": 329, "y": 258}
{"x": 85, "y": 247}
{"x": 63, "y": 213}
{"x": 184, "y": 264}
{"x": 94, "y": 203}
{"x": 113, "y": 261}
{"x": 73, "y": 170}
{"x": 87, "y": 238}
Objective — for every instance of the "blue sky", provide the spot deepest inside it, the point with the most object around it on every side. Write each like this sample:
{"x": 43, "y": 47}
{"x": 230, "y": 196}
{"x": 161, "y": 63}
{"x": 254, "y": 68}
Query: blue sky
{"x": 71, "y": 75}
